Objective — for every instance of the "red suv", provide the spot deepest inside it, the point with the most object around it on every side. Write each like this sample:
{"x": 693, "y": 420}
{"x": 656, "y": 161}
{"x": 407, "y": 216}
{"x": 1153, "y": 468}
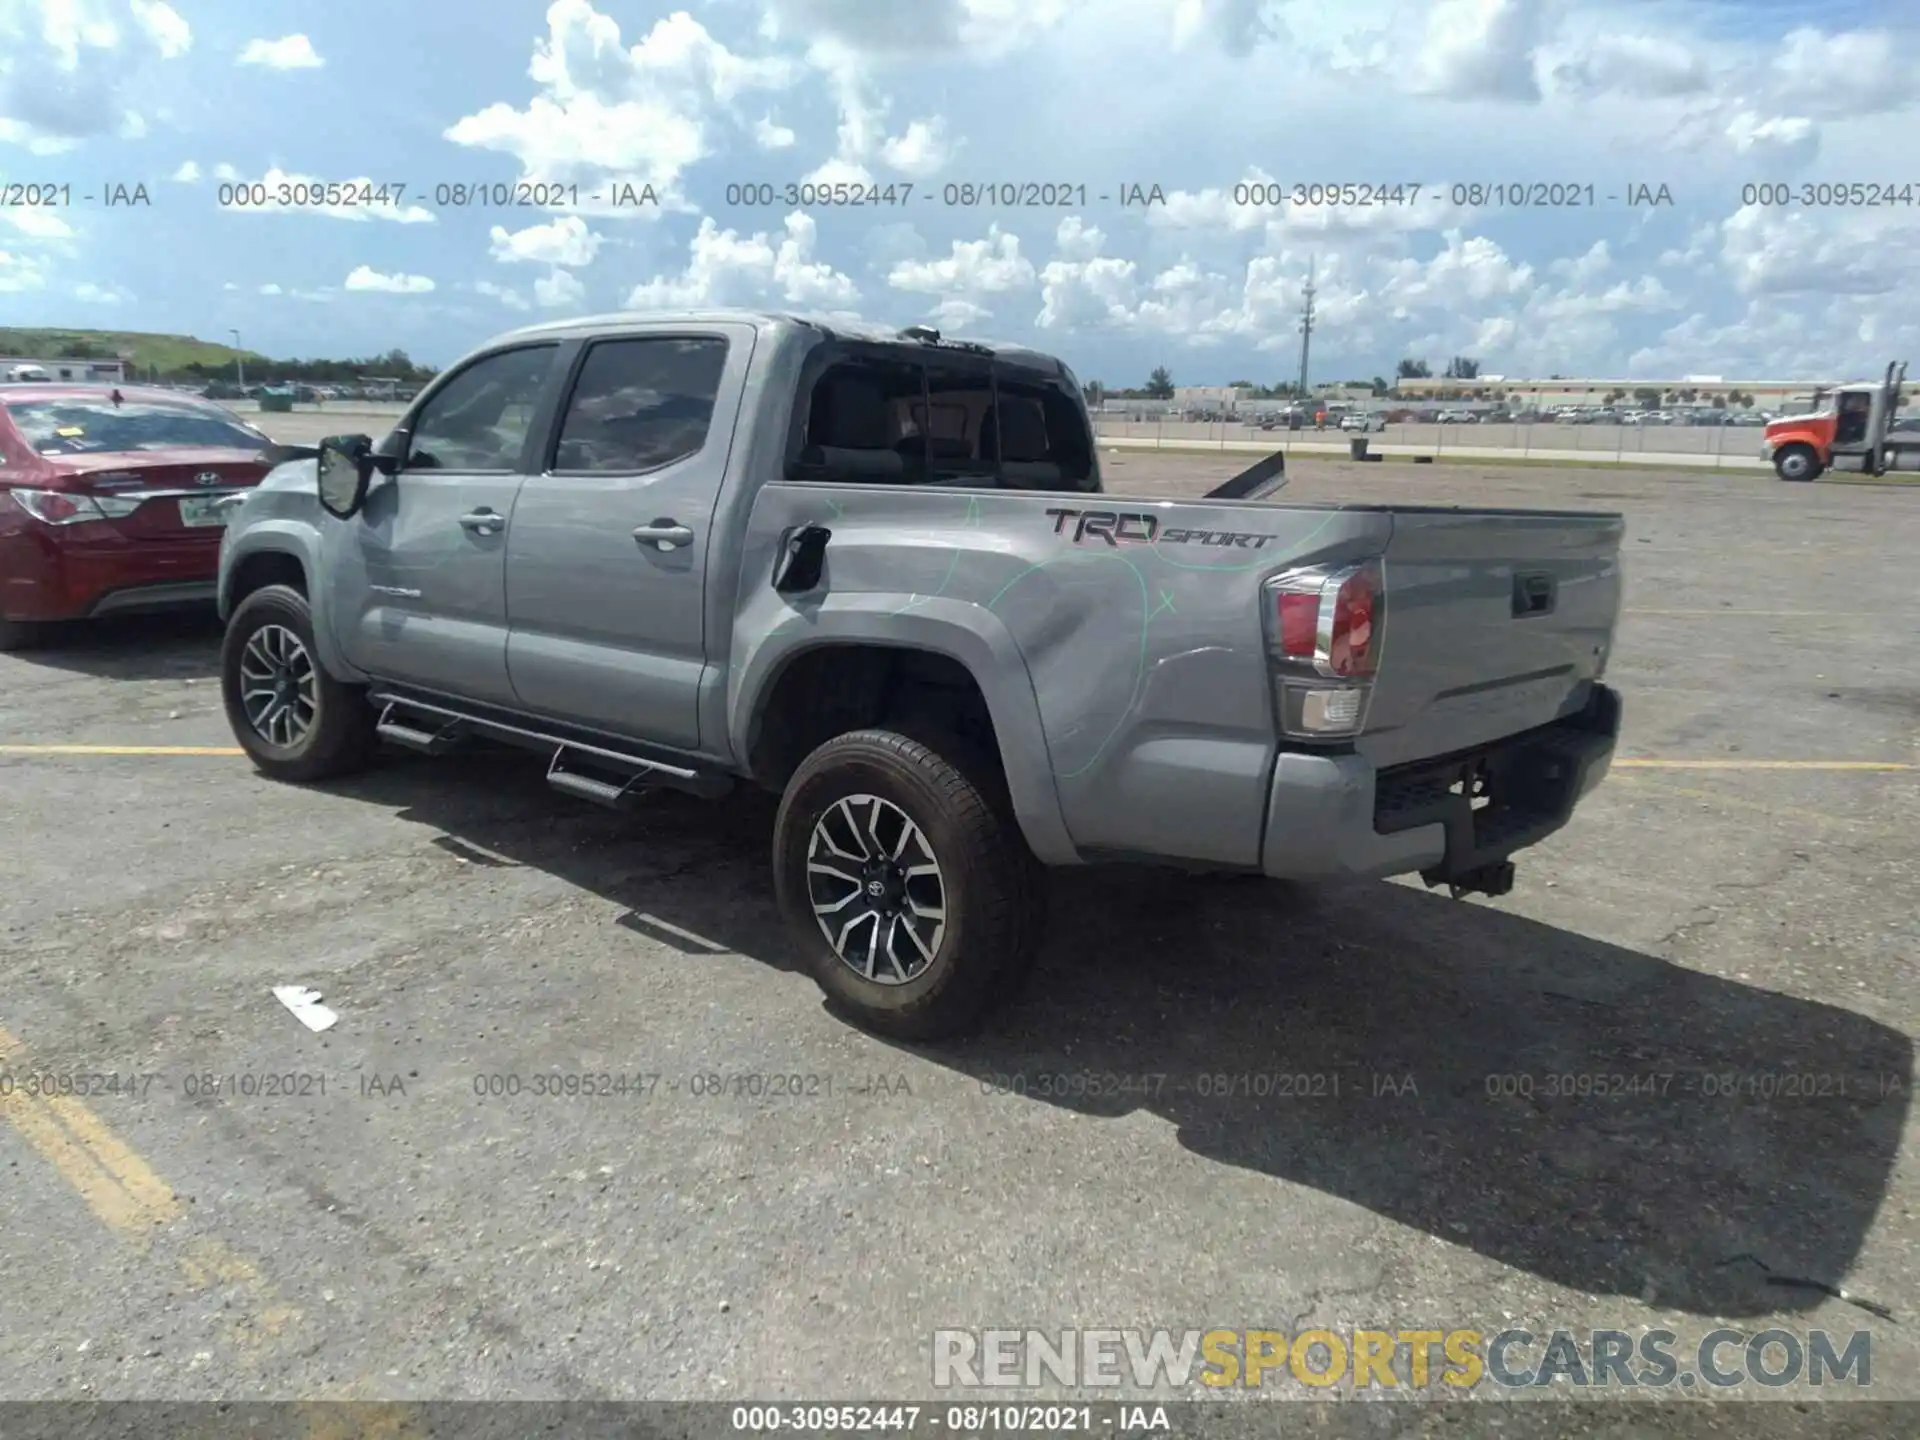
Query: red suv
{"x": 109, "y": 500}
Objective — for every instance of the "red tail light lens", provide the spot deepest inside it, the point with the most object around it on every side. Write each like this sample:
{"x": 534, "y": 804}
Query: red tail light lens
{"x": 1353, "y": 651}
{"x": 1299, "y": 624}
{"x": 1328, "y": 616}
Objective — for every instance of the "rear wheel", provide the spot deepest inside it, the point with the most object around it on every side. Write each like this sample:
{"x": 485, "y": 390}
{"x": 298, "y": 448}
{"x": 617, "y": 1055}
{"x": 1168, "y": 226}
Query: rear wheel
{"x": 1796, "y": 462}
{"x": 20, "y": 635}
{"x": 911, "y": 894}
{"x": 295, "y": 721}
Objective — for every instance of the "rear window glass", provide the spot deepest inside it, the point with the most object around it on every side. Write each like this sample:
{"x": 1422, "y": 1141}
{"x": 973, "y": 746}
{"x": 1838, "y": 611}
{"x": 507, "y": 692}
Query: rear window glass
{"x": 87, "y": 427}
{"x": 913, "y": 416}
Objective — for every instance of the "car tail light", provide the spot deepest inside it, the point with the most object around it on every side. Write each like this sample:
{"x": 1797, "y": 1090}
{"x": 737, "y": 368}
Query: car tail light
{"x": 1299, "y": 623}
{"x": 57, "y": 507}
{"x": 1350, "y": 650}
{"x": 1324, "y": 633}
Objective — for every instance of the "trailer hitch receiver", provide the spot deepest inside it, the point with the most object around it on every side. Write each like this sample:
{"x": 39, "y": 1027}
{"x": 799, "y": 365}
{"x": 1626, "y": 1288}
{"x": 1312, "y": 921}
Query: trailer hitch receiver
{"x": 1493, "y": 880}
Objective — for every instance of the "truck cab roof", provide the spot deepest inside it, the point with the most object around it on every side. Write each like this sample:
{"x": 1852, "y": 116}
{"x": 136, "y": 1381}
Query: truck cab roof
{"x": 829, "y": 327}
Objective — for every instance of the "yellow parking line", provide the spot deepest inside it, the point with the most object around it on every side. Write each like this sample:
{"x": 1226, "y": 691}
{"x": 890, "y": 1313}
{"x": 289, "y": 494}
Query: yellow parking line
{"x": 1648, "y": 786}
{"x": 1763, "y": 765}
{"x": 121, "y": 750}
{"x": 118, "y": 1186}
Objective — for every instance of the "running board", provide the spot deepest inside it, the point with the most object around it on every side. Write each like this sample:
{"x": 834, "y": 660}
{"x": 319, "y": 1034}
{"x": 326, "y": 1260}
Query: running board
{"x": 595, "y": 789}
{"x": 624, "y": 776}
{"x": 412, "y": 737}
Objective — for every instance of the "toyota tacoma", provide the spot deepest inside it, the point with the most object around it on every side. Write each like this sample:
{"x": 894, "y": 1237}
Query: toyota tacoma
{"x": 876, "y": 573}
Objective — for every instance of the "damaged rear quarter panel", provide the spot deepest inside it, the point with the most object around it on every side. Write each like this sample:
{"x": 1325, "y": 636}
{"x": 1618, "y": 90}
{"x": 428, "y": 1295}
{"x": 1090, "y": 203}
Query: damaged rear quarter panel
{"x": 1118, "y": 642}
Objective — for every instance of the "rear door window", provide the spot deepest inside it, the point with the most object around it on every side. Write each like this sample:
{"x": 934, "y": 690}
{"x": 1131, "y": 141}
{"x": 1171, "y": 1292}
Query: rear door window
{"x": 641, "y": 404}
{"x": 864, "y": 423}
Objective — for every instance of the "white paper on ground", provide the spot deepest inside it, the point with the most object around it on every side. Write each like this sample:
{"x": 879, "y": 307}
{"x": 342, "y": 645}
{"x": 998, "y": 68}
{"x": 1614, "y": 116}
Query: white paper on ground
{"x": 304, "y": 1002}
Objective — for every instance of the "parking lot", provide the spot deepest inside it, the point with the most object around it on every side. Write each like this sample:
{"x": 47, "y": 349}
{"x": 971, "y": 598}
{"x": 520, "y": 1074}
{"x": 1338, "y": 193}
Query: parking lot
{"x": 1723, "y": 942}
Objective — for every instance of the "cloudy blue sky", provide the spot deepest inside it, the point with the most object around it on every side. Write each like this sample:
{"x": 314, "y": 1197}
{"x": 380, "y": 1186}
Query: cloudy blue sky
{"x": 1194, "y": 96}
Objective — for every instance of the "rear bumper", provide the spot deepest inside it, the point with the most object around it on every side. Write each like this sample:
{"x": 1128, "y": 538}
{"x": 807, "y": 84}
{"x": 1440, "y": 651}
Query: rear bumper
{"x": 48, "y": 574}
{"x": 1336, "y": 815}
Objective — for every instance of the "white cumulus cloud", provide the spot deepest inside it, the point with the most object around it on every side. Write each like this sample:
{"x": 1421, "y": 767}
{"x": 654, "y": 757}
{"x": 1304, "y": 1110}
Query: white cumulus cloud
{"x": 565, "y": 241}
{"x": 289, "y": 52}
{"x": 557, "y": 289}
{"x": 506, "y": 295}
{"x": 171, "y": 36}
{"x": 365, "y": 277}
{"x": 602, "y": 109}
{"x": 973, "y": 267}
{"x": 725, "y": 267}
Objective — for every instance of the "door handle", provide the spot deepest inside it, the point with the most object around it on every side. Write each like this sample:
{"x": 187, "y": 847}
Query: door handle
{"x": 484, "y": 522}
{"x": 664, "y": 535}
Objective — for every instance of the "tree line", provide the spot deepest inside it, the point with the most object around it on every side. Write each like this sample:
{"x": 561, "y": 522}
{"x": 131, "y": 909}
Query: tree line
{"x": 394, "y": 365}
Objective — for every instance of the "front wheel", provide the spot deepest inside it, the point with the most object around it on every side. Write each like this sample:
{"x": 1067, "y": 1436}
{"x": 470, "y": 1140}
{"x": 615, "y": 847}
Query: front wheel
{"x": 295, "y": 721}
{"x": 911, "y": 894}
{"x": 1797, "y": 462}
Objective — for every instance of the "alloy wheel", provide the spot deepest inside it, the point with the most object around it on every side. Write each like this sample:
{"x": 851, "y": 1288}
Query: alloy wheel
{"x": 279, "y": 687}
{"x": 876, "y": 889}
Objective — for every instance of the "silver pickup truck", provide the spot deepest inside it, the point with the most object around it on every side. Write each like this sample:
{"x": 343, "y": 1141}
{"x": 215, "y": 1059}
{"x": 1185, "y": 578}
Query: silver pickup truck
{"x": 875, "y": 572}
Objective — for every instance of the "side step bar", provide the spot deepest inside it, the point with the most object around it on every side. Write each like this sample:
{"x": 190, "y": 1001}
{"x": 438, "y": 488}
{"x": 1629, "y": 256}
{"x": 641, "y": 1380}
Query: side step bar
{"x": 597, "y": 790}
{"x": 412, "y": 737}
{"x": 614, "y": 778}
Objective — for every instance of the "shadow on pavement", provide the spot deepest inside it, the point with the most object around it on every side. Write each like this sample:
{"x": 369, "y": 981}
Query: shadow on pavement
{"x": 1593, "y": 1115}
{"x": 166, "y": 645}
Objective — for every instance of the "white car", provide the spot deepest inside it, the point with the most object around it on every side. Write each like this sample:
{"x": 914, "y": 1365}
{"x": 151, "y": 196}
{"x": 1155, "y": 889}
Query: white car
{"x": 1359, "y": 420}
{"x": 1459, "y": 417}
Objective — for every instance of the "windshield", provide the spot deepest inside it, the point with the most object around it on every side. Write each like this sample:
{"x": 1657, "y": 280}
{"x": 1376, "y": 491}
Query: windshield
{"x": 76, "y": 426}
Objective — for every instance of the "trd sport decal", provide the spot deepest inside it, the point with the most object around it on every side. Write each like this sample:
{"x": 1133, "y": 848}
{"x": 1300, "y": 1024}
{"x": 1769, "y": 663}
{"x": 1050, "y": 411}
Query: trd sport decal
{"x": 1121, "y": 527}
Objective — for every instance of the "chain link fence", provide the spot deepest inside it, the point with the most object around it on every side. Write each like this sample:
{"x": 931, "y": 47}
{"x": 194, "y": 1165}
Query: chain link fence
{"x": 1713, "y": 446}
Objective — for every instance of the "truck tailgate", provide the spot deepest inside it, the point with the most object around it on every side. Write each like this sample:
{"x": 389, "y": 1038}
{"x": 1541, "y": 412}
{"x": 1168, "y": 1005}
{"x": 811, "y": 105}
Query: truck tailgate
{"x": 1495, "y": 622}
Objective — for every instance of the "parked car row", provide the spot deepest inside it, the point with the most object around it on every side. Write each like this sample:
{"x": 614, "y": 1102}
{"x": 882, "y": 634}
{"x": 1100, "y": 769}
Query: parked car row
{"x": 1699, "y": 415}
{"x": 302, "y": 394}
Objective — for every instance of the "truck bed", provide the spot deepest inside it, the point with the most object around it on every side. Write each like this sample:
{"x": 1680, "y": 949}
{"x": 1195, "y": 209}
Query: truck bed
{"x": 1139, "y": 626}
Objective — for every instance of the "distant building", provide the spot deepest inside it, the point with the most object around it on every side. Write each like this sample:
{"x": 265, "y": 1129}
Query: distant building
{"x": 1210, "y": 397}
{"x": 96, "y": 372}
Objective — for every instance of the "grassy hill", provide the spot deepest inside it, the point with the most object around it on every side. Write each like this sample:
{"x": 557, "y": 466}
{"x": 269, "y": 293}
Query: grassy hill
{"x": 168, "y": 352}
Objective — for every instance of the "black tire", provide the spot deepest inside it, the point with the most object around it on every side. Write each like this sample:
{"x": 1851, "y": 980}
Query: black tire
{"x": 340, "y": 738}
{"x": 1797, "y": 463}
{"x": 16, "y": 635}
{"x": 990, "y": 884}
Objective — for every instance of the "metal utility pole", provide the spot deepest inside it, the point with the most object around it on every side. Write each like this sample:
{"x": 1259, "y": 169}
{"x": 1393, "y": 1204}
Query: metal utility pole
{"x": 1306, "y": 329}
{"x": 239, "y": 361}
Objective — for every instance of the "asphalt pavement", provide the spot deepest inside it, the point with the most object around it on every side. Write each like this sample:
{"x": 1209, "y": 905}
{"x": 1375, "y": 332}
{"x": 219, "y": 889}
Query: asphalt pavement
{"x": 1665, "y": 1083}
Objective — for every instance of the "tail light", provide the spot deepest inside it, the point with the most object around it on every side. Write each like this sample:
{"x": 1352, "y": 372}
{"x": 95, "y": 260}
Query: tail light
{"x": 58, "y": 507}
{"x": 1324, "y": 628}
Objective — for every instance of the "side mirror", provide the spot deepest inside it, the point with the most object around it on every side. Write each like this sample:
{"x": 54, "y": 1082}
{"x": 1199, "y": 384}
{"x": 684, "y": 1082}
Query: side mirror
{"x": 346, "y": 469}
